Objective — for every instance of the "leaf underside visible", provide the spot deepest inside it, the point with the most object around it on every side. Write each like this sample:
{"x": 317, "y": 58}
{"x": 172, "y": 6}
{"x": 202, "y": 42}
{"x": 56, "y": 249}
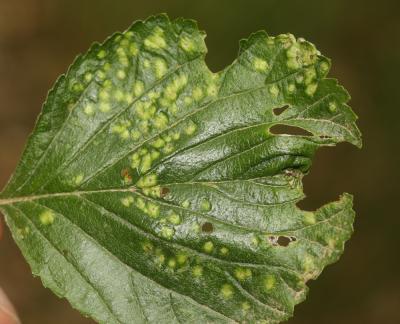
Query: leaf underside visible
{"x": 153, "y": 190}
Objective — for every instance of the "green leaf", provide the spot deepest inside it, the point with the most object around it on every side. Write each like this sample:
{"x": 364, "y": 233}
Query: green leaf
{"x": 153, "y": 190}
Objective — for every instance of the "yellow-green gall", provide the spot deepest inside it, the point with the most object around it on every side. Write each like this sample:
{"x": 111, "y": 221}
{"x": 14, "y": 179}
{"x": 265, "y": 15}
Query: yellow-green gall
{"x": 174, "y": 219}
{"x": 260, "y": 64}
{"x": 197, "y": 271}
{"x": 127, "y": 201}
{"x": 269, "y": 282}
{"x": 138, "y": 88}
{"x": 167, "y": 232}
{"x": 153, "y": 210}
{"x": 224, "y": 250}
{"x": 274, "y": 90}
{"x": 187, "y": 44}
{"x": 227, "y": 291}
{"x": 191, "y": 128}
{"x": 205, "y": 205}
{"x": 208, "y": 247}
{"x": 47, "y": 217}
{"x": 242, "y": 273}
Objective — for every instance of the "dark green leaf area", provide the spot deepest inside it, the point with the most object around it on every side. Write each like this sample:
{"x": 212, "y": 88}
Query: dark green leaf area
{"x": 153, "y": 190}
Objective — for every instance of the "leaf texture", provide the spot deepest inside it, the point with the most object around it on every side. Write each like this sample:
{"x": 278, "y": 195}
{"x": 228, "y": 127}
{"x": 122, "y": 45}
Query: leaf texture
{"x": 153, "y": 190}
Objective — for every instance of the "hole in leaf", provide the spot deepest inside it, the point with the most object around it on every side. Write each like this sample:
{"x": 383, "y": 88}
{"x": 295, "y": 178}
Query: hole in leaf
{"x": 281, "y": 240}
{"x": 207, "y": 227}
{"x": 279, "y": 111}
{"x": 280, "y": 129}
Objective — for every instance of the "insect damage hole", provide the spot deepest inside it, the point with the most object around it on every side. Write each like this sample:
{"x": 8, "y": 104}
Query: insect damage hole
{"x": 207, "y": 227}
{"x": 280, "y": 129}
{"x": 281, "y": 240}
{"x": 280, "y": 110}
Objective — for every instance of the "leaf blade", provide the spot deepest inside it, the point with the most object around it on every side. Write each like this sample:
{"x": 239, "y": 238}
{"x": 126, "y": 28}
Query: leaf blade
{"x": 173, "y": 176}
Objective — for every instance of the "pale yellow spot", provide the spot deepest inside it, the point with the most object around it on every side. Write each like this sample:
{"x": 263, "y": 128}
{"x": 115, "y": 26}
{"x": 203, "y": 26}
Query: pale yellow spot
{"x": 160, "y": 67}
{"x": 260, "y": 64}
{"x": 147, "y": 247}
{"x": 161, "y": 121}
{"x": 135, "y": 134}
{"x": 197, "y": 93}
{"x": 255, "y": 241}
{"x": 274, "y": 90}
{"x": 88, "y": 77}
{"x": 133, "y": 49}
{"x": 185, "y": 204}
{"x": 146, "y": 63}
{"x": 309, "y": 218}
{"x": 174, "y": 219}
{"x": 78, "y": 87}
{"x": 245, "y": 306}
{"x": 47, "y": 217}
{"x": 269, "y": 282}
{"x": 153, "y": 210}
{"x": 158, "y": 143}
{"x": 208, "y": 247}
{"x": 324, "y": 67}
{"x": 107, "y": 67}
{"x": 308, "y": 263}
{"x": 242, "y": 274}
{"x": 212, "y": 90}
{"x": 311, "y": 89}
{"x": 101, "y": 54}
{"x": 205, "y": 205}
{"x": 127, "y": 201}
{"x": 310, "y": 75}
{"x": 331, "y": 243}
{"x": 176, "y": 136}
{"x": 89, "y": 109}
{"x": 146, "y": 163}
{"x": 291, "y": 88}
{"x": 128, "y": 98}
{"x": 227, "y": 291}
{"x": 147, "y": 181}
{"x": 167, "y": 232}
{"x": 187, "y": 44}
{"x": 197, "y": 271}
{"x": 188, "y": 101}
{"x": 191, "y": 128}
{"x": 332, "y": 106}
{"x": 101, "y": 75}
{"x": 156, "y": 40}
{"x": 121, "y": 74}
{"x": 160, "y": 257}
{"x": 104, "y": 107}
{"x": 172, "y": 263}
{"x": 195, "y": 228}
{"x": 138, "y": 88}
{"x": 104, "y": 94}
{"x": 78, "y": 179}
{"x": 119, "y": 95}
{"x": 224, "y": 250}
{"x": 181, "y": 258}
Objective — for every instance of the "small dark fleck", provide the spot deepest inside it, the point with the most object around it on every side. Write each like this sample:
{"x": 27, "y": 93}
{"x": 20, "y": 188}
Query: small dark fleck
{"x": 207, "y": 227}
{"x": 164, "y": 191}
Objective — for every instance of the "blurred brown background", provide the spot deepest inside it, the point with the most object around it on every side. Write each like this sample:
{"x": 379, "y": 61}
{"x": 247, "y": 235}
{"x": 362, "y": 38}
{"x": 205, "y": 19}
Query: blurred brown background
{"x": 40, "y": 38}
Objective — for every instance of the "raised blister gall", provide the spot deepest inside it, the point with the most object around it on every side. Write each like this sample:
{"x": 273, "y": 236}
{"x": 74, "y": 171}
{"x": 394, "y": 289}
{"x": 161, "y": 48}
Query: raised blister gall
{"x": 208, "y": 247}
{"x": 227, "y": 291}
{"x": 47, "y": 217}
